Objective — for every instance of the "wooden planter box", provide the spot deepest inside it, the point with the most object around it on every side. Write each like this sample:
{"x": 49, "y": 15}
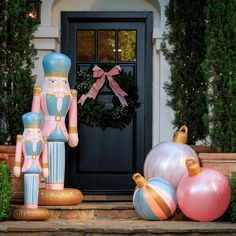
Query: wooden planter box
{"x": 223, "y": 162}
{"x": 17, "y": 183}
{"x": 204, "y": 149}
{"x": 212, "y": 157}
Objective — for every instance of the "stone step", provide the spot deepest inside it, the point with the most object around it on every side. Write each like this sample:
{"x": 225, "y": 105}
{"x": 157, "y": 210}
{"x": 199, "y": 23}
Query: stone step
{"x": 63, "y": 227}
{"x": 106, "y": 210}
{"x": 92, "y": 210}
{"x": 98, "y": 210}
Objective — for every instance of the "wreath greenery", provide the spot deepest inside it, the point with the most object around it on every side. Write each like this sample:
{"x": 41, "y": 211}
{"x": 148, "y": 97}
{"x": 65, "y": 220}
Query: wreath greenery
{"x": 94, "y": 112}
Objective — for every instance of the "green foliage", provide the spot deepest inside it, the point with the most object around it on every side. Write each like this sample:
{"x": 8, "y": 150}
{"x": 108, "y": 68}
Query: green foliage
{"x": 17, "y": 57}
{"x": 5, "y": 191}
{"x": 233, "y": 197}
{"x": 94, "y": 112}
{"x": 184, "y": 49}
{"x": 220, "y": 69}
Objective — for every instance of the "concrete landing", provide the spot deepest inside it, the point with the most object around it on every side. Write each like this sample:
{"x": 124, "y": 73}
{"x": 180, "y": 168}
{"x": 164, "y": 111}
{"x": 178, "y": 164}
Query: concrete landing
{"x": 91, "y": 227}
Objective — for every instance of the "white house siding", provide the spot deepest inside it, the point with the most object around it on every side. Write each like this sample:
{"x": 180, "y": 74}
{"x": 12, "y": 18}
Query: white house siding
{"x": 47, "y": 39}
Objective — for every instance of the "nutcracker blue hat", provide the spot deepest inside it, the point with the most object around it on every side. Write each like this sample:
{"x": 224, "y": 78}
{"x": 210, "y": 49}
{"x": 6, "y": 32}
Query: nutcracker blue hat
{"x": 56, "y": 64}
{"x": 32, "y": 120}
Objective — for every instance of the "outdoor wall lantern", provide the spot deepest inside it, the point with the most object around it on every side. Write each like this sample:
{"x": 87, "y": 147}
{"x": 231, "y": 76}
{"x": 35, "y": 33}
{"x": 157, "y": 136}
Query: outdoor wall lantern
{"x": 36, "y": 9}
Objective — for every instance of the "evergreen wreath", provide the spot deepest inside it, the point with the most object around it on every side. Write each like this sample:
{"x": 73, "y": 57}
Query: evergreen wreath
{"x": 93, "y": 112}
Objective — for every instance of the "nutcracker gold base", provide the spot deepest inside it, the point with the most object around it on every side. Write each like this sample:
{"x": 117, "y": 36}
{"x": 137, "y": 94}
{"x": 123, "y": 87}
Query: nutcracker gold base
{"x": 28, "y": 214}
{"x": 65, "y": 197}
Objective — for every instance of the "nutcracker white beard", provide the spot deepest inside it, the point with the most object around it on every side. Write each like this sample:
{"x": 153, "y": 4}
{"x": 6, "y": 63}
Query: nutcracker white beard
{"x": 59, "y": 92}
{"x": 32, "y": 138}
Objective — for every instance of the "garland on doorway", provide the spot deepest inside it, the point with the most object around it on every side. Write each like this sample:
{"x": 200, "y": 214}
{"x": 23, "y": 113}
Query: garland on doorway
{"x": 115, "y": 115}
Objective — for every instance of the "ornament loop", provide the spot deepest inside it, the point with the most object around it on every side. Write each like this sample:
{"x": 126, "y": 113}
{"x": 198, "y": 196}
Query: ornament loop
{"x": 181, "y": 135}
{"x": 139, "y": 180}
{"x": 184, "y": 129}
{"x": 192, "y": 166}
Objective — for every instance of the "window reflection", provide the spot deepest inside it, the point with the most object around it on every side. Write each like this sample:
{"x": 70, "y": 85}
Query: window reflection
{"x": 86, "y": 45}
{"x": 126, "y": 45}
{"x": 103, "y": 46}
{"x": 106, "y": 45}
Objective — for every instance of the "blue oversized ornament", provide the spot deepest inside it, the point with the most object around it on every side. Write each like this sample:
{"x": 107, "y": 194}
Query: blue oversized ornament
{"x": 153, "y": 199}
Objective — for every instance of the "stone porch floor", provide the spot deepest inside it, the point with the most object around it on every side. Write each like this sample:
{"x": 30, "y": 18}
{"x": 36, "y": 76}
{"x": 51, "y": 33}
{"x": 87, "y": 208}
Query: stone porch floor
{"x": 110, "y": 218}
{"x": 64, "y": 227}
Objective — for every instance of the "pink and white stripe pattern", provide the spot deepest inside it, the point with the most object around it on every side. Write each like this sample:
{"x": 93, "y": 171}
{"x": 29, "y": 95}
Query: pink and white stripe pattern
{"x": 167, "y": 161}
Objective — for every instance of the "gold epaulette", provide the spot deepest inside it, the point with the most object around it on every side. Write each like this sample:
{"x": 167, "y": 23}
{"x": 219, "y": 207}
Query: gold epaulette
{"x": 73, "y": 93}
{"x": 37, "y": 90}
{"x": 19, "y": 137}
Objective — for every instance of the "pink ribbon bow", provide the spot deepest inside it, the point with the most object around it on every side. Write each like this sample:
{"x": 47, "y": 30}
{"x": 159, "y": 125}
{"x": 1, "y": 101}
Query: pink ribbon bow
{"x": 102, "y": 75}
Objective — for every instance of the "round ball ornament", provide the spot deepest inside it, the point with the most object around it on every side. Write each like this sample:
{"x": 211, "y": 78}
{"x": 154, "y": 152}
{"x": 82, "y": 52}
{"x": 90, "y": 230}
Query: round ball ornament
{"x": 203, "y": 195}
{"x": 153, "y": 199}
{"x": 167, "y": 159}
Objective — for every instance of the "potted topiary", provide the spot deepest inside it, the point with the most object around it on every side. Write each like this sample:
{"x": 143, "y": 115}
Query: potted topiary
{"x": 17, "y": 58}
{"x": 220, "y": 71}
{"x": 200, "y": 48}
{"x": 184, "y": 49}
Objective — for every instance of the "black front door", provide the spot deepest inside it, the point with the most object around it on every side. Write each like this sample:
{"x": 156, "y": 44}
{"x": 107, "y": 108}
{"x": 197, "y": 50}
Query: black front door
{"x": 105, "y": 160}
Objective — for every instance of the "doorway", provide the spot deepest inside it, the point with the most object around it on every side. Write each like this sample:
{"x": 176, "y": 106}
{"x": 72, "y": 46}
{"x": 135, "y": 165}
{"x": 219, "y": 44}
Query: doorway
{"x": 105, "y": 160}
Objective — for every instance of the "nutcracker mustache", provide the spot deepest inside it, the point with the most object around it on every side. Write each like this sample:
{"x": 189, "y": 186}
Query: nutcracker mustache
{"x": 57, "y": 90}
{"x": 32, "y": 139}
{"x": 60, "y": 91}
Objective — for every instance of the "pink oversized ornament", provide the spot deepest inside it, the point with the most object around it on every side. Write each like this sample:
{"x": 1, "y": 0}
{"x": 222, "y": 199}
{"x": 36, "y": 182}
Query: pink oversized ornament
{"x": 203, "y": 195}
{"x": 167, "y": 160}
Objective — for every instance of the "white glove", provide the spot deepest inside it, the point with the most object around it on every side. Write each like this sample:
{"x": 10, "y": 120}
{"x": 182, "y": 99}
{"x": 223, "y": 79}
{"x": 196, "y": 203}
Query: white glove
{"x": 73, "y": 140}
{"x": 16, "y": 171}
{"x": 45, "y": 172}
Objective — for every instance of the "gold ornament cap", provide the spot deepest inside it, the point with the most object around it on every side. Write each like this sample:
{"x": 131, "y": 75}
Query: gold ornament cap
{"x": 181, "y": 135}
{"x": 139, "y": 180}
{"x": 192, "y": 166}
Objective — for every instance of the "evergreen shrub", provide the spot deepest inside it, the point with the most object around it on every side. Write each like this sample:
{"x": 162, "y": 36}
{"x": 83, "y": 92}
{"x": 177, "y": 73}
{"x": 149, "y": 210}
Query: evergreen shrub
{"x": 17, "y": 60}
{"x": 5, "y": 191}
{"x": 184, "y": 49}
{"x": 220, "y": 70}
{"x": 233, "y": 198}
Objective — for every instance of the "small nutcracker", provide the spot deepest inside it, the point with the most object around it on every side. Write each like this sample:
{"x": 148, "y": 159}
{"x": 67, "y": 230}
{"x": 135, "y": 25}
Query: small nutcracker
{"x": 34, "y": 147}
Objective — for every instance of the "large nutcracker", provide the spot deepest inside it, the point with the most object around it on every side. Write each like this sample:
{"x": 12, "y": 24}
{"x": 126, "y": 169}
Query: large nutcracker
{"x": 34, "y": 147}
{"x": 56, "y": 99}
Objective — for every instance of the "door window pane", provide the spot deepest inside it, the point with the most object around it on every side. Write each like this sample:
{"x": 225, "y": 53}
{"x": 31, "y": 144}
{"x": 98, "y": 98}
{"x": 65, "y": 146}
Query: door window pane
{"x": 86, "y": 45}
{"x": 126, "y": 45}
{"x": 106, "y": 45}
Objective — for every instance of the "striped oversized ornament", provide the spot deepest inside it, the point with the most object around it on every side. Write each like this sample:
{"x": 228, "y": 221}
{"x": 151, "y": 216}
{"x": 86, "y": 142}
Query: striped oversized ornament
{"x": 167, "y": 159}
{"x": 153, "y": 199}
